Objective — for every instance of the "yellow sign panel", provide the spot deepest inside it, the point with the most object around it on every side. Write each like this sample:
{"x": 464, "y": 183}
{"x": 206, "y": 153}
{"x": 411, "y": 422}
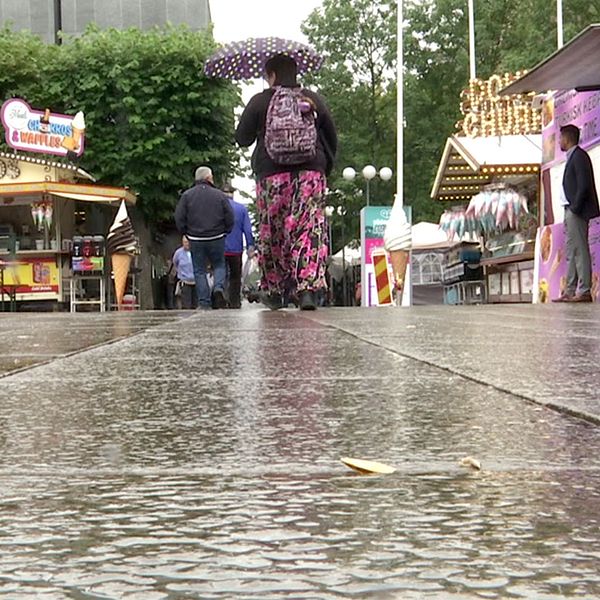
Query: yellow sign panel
{"x": 486, "y": 113}
{"x": 32, "y": 275}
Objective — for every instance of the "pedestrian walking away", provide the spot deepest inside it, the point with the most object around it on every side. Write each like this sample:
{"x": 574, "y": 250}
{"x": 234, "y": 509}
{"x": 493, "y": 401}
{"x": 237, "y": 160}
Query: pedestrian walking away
{"x": 185, "y": 287}
{"x": 204, "y": 215}
{"x": 580, "y": 200}
{"x": 296, "y": 143}
{"x": 234, "y": 250}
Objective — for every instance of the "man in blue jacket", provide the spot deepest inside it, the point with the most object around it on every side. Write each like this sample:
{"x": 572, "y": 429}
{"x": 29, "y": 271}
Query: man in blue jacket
{"x": 234, "y": 249}
{"x": 205, "y": 217}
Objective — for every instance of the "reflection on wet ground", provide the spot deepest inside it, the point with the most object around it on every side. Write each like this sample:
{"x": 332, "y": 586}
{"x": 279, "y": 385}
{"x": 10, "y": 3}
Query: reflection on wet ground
{"x": 31, "y": 339}
{"x": 200, "y": 459}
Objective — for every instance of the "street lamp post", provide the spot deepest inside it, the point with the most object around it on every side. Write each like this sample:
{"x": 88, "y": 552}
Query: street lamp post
{"x": 559, "y": 24}
{"x": 400, "y": 105}
{"x": 341, "y": 211}
{"x": 369, "y": 173}
{"x": 329, "y": 210}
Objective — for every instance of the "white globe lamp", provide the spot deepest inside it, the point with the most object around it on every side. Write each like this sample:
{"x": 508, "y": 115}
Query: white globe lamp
{"x": 348, "y": 173}
{"x": 369, "y": 172}
{"x": 385, "y": 173}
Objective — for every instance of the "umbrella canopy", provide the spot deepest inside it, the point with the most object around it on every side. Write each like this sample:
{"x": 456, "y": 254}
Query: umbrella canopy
{"x": 247, "y": 59}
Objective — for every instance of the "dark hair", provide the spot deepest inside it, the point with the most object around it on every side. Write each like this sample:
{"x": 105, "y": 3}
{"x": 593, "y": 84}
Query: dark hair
{"x": 571, "y": 132}
{"x": 284, "y": 68}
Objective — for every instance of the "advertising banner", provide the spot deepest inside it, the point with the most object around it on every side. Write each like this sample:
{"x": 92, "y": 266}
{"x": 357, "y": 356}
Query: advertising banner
{"x": 33, "y": 277}
{"x": 551, "y": 262}
{"x": 32, "y": 130}
{"x": 373, "y": 221}
{"x": 564, "y": 108}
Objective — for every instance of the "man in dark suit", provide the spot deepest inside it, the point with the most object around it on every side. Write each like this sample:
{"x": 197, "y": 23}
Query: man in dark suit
{"x": 580, "y": 199}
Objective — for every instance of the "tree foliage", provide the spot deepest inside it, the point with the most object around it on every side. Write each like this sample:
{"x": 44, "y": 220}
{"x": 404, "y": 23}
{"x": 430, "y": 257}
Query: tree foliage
{"x": 151, "y": 115}
{"x": 351, "y": 34}
{"x": 357, "y": 39}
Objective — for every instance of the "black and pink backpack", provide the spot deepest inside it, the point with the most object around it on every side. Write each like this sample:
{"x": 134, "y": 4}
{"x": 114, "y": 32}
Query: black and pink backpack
{"x": 291, "y": 128}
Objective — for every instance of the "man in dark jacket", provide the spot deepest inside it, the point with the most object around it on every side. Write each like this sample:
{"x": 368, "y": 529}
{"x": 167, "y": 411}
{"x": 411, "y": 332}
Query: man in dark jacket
{"x": 580, "y": 199}
{"x": 205, "y": 217}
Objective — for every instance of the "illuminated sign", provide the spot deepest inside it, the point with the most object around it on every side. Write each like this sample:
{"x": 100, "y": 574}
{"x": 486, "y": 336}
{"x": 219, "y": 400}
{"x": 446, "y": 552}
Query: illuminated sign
{"x": 486, "y": 113}
{"x": 42, "y": 131}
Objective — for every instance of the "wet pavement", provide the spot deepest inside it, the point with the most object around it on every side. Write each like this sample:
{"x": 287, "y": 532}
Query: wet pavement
{"x": 545, "y": 353}
{"x": 199, "y": 458}
{"x": 31, "y": 339}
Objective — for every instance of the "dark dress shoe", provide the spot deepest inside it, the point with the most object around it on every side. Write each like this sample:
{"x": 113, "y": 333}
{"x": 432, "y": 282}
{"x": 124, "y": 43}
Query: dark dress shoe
{"x": 564, "y": 298}
{"x": 306, "y": 300}
{"x": 585, "y": 297}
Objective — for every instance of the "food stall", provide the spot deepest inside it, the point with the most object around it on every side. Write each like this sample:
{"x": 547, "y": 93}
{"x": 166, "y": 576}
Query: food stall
{"x": 498, "y": 150}
{"x": 46, "y": 205}
{"x": 572, "y": 72}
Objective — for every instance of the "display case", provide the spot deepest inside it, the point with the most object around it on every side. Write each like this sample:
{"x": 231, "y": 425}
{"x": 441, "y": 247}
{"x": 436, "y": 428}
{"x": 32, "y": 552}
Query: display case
{"x": 462, "y": 275}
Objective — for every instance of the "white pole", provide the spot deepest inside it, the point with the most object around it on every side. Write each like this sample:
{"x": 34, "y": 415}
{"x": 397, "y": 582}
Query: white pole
{"x": 400, "y": 109}
{"x": 472, "y": 64}
{"x": 559, "y": 23}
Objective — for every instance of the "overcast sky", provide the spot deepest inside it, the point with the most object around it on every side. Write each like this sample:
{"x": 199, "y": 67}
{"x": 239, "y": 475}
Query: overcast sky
{"x": 239, "y": 19}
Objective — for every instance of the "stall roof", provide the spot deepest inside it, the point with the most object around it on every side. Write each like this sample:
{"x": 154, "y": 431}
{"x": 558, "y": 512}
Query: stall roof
{"x": 47, "y": 163}
{"x": 574, "y": 66}
{"x": 72, "y": 191}
{"x": 468, "y": 164}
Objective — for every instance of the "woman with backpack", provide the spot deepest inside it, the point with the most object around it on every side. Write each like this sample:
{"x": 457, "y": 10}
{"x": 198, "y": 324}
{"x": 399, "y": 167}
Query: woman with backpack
{"x": 296, "y": 144}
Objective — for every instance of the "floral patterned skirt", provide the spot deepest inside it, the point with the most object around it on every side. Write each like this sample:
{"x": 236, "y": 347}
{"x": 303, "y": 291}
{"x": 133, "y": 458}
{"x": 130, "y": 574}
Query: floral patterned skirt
{"x": 292, "y": 232}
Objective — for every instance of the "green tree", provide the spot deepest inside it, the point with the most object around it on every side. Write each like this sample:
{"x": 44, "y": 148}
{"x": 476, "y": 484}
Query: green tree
{"x": 151, "y": 115}
{"x": 357, "y": 39}
{"x": 511, "y": 36}
{"x": 24, "y": 61}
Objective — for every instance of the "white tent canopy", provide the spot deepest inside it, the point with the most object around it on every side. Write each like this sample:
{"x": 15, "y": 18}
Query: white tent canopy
{"x": 429, "y": 236}
{"x": 352, "y": 255}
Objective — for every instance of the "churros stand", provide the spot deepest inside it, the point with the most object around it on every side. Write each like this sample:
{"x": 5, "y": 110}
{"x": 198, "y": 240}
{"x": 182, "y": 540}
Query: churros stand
{"x": 45, "y": 204}
{"x": 496, "y": 151}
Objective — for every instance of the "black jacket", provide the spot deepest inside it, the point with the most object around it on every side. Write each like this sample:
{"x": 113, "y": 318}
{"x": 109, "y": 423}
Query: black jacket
{"x": 204, "y": 212}
{"x": 579, "y": 186}
{"x": 252, "y": 125}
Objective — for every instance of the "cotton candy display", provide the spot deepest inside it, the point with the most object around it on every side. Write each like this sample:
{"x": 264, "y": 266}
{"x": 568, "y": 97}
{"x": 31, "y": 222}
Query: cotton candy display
{"x": 491, "y": 211}
{"x": 41, "y": 213}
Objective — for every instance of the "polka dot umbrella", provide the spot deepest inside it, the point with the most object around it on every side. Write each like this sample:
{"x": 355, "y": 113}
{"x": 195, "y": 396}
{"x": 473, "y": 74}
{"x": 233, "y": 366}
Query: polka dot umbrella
{"x": 246, "y": 59}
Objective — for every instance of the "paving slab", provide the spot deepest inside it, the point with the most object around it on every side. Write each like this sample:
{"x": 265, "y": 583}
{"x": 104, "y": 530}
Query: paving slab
{"x": 32, "y": 338}
{"x": 547, "y": 353}
{"x": 200, "y": 459}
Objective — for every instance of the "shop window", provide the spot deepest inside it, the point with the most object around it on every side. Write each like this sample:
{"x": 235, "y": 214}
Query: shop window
{"x": 427, "y": 269}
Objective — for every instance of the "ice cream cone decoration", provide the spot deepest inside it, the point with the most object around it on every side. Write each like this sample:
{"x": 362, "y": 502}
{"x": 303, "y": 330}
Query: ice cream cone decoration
{"x": 399, "y": 262}
{"x": 120, "y": 267}
{"x": 397, "y": 240}
{"x": 73, "y": 143}
{"x": 121, "y": 244}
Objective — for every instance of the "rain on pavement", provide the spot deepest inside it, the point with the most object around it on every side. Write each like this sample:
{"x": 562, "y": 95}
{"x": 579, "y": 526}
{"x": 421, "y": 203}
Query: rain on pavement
{"x": 197, "y": 455}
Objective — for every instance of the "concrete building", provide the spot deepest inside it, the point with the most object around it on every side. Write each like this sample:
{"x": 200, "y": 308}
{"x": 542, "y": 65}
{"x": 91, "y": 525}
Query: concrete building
{"x": 45, "y": 17}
